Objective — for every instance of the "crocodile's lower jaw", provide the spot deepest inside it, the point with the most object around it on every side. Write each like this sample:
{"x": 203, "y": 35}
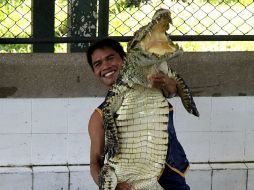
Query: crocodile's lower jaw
{"x": 157, "y": 43}
{"x": 160, "y": 48}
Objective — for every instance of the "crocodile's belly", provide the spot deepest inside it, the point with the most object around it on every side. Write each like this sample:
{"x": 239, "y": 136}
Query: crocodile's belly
{"x": 142, "y": 131}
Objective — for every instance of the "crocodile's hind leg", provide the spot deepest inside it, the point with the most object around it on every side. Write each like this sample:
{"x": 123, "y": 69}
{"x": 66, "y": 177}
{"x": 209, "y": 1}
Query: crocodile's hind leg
{"x": 107, "y": 178}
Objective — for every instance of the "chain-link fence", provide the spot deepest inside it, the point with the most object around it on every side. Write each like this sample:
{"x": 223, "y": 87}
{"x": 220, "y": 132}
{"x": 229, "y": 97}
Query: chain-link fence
{"x": 196, "y": 18}
{"x": 15, "y": 19}
{"x": 79, "y": 20}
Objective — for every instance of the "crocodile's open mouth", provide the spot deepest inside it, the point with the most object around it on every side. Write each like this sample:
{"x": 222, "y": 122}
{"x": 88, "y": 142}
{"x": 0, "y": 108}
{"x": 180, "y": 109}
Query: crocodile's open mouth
{"x": 156, "y": 40}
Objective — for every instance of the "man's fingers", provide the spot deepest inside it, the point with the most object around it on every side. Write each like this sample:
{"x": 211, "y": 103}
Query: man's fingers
{"x": 124, "y": 186}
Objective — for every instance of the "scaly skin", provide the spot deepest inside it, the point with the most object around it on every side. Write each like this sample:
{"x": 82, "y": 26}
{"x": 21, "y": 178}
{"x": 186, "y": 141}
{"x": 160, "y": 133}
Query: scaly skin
{"x": 135, "y": 115}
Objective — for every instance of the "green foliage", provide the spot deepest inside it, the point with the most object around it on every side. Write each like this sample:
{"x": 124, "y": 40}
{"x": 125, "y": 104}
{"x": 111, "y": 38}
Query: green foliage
{"x": 217, "y": 46}
{"x": 184, "y": 22}
{"x": 227, "y": 2}
{"x": 130, "y": 3}
{"x": 126, "y": 16}
{"x": 15, "y": 21}
{"x": 123, "y": 4}
{"x": 61, "y": 22}
{"x": 15, "y": 48}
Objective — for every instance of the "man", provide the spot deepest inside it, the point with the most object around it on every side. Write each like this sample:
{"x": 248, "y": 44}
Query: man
{"x": 106, "y": 59}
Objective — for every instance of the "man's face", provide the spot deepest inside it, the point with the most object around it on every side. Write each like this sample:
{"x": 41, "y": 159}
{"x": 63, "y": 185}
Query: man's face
{"x": 106, "y": 65}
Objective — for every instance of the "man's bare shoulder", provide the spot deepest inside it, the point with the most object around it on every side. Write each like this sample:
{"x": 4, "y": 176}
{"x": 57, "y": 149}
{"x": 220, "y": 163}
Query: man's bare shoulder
{"x": 95, "y": 122}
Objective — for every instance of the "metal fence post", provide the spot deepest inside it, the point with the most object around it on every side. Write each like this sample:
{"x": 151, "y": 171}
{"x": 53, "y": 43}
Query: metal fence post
{"x": 43, "y": 13}
{"x": 103, "y": 19}
{"x": 82, "y": 22}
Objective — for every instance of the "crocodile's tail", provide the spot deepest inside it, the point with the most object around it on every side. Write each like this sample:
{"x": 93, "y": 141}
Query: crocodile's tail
{"x": 111, "y": 143}
{"x": 111, "y": 140}
{"x": 113, "y": 101}
{"x": 185, "y": 95}
{"x": 107, "y": 178}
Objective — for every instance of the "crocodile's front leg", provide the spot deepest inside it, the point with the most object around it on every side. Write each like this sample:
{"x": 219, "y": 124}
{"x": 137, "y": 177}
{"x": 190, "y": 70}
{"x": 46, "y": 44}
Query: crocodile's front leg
{"x": 184, "y": 93}
{"x": 182, "y": 88}
{"x": 107, "y": 178}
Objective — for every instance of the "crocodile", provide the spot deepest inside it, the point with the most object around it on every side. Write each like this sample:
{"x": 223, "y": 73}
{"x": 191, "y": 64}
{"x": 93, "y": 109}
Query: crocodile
{"x": 136, "y": 115}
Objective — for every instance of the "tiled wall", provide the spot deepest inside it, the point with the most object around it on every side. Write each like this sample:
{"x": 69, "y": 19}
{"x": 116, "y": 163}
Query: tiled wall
{"x": 237, "y": 176}
{"x": 45, "y": 131}
{"x": 233, "y": 176}
{"x": 54, "y": 131}
{"x": 46, "y": 178}
{"x": 51, "y": 134}
{"x": 223, "y": 133}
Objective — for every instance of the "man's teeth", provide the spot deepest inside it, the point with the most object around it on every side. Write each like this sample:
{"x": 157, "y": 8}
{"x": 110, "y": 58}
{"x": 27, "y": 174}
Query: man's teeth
{"x": 110, "y": 73}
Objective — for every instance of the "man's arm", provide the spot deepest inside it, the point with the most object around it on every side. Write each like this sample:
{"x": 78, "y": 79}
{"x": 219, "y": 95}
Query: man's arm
{"x": 96, "y": 133}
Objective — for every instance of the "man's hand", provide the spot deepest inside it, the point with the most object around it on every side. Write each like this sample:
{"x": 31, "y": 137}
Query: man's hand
{"x": 124, "y": 186}
{"x": 164, "y": 82}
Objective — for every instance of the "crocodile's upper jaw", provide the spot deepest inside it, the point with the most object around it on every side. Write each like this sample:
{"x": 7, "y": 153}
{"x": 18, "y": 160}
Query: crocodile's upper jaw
{"x": 156, "y": 40}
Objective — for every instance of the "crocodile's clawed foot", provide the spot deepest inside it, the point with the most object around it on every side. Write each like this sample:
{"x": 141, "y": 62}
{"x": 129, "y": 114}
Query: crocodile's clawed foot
{"x": 185, "y": 95}
{"x": 194, "y": 109}
{"x": 195, "y": 112}
{"x": 107, "y": 178}
{"x": 113, "y": 150}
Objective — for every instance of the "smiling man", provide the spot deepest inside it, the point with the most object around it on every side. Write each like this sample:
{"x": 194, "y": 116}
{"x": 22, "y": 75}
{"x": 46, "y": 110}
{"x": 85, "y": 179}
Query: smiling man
{"x": 106, "y": 58}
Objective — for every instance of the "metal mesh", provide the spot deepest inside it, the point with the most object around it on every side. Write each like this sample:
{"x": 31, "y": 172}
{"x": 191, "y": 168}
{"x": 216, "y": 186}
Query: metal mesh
{"x": 195, "y": 18}
{"x": 15, "y": 19}
{"x": 61, "y": 18}
{"x": 199, "y": 17}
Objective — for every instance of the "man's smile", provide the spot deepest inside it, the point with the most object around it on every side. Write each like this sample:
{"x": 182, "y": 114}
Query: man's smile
{"x": 109, "y": 74}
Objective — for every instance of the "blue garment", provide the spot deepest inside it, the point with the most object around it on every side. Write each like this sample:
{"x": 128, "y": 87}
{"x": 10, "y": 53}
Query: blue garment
{"x": 172, "y": 177}
{"x": 176, "y": 157}
{"x": 171, "y": 180}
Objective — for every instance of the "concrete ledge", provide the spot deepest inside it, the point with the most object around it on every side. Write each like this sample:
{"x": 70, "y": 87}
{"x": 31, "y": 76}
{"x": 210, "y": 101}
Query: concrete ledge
{"x": 233, "y": 176}
{"x": 68, "y": 75}
{"x": 229, "y": 176}
{"x": 47, "y": 75}
{"x": 250, "y": 179}
{"x": 15, "y": 178}
{"x": 199, "y": 177}
{"x": 80, "y": 178}
{"x": 50, "y": 178}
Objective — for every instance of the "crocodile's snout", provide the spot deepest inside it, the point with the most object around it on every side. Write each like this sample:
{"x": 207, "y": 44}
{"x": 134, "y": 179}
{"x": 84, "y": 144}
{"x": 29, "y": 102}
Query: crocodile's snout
{"x": 155, "y": 39}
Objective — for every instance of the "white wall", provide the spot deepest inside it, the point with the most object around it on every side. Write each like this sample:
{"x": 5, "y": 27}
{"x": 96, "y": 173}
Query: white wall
{"x": 53, "y": 132}
{"x": 45, "y": 131}
{"x": 223, "y": 133}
